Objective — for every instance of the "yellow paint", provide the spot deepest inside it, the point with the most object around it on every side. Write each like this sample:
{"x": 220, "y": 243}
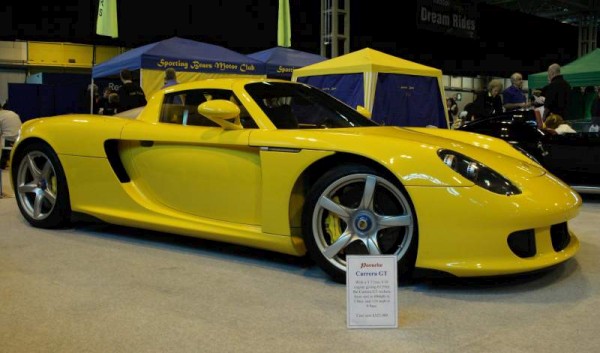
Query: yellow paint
{"x": 248, "y": 186}
{"x": 59, "y": 54}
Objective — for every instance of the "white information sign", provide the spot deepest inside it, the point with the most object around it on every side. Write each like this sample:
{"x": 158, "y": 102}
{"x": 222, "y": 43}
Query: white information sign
{"x": 372, "y": 291}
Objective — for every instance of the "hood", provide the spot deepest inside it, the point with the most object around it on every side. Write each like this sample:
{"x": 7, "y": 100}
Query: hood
{"x": 348, "y": 139}
{"x": 411, "y": 153}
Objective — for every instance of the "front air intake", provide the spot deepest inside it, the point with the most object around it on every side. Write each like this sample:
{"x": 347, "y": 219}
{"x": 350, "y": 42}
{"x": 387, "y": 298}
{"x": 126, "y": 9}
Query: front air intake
{"x": 522, "y": 243}
{"x": 560, "y": 236}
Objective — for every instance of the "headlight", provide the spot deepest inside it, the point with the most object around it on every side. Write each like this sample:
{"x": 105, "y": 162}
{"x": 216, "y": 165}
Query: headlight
{"x": 478, "y": 173}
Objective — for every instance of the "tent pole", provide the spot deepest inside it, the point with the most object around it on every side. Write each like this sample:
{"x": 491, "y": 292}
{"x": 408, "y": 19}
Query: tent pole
{"x": 92, "y": 85}
{"x": 92, "y": 97}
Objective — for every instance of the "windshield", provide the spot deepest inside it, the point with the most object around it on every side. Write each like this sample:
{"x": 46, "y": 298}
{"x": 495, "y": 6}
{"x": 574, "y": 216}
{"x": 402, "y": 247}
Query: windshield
{"x": 299, "y": 106}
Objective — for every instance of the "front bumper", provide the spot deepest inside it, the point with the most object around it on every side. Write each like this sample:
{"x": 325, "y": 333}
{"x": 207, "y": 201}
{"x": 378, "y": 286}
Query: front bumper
{"x": 466, "y": 231}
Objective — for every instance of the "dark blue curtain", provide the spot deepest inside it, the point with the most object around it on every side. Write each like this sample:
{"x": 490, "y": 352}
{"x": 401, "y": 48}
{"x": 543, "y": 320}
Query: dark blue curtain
{"x": 31, "y": 100}
{"x": 349, "y": 88}
{"x": 49, "y": 93}
{"x": 406, "y": 100}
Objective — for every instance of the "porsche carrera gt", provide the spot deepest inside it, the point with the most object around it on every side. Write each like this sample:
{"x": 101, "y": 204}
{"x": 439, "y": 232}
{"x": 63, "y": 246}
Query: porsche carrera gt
{"x": 285, "y": 167}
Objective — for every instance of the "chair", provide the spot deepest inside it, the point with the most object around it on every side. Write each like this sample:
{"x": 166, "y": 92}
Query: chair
{"x": 6, "y": 145}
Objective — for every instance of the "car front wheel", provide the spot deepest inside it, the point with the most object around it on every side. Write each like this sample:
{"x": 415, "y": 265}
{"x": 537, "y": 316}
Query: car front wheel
{"x": 355, "y": 210}
{"x": 41, "y": 187}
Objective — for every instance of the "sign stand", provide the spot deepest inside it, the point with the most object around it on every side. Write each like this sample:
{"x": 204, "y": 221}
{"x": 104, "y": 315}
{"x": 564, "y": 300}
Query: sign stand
{"x": 372, "y": 291}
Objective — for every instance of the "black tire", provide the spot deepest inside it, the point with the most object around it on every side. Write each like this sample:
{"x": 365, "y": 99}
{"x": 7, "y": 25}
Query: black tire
{"x": 40, "y": 187}
{"x": 339, "y": 218}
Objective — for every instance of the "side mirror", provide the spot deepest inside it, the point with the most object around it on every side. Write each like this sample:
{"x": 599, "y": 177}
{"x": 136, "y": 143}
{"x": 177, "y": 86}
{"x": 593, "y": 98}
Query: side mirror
{"x": 221, "y": 111}
{"x": 363, "y": 111}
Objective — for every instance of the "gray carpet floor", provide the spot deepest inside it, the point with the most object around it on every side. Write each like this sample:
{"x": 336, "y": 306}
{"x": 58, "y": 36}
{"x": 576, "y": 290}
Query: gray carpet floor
{"x": 98, "y": 288}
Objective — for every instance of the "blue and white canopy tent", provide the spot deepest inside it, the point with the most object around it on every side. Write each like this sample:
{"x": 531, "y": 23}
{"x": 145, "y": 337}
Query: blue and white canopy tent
{"x": 191, "y": 59}
{"x": 282, "y": 61}
{"x": 397, "y": 91}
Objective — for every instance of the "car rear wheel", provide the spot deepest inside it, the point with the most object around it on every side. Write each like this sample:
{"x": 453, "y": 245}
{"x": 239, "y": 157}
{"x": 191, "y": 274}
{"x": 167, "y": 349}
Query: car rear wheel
{"x": 41, "y": 187}
{"x": 354, "y": 210}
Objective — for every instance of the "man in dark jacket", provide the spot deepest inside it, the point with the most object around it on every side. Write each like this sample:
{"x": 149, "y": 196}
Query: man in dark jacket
{"x": 131, "y": 94}
{"x": 556, "y": 93}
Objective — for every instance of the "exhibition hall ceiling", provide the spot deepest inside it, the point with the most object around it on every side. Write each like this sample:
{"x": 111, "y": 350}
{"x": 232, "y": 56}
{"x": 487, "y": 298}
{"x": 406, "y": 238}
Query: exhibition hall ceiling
{"x": 567, "y": 11}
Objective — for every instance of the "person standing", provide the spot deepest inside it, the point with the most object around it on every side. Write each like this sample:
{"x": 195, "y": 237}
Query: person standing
{"x": 112, "y": 104}
{"x": 170, "y": 77}
{"x": 103, "y": 101}
{"x": 170, "y": 80}
{"x": 589, "y": 97}
{"x": 10, "y": 123}
{"x": 513, "y": 96}
{"x": 556, "y": 93}
{"x": 595, "y": 123}
{"x": 452, "y": 110}
{"x": 487, "y": 103}
{"x": 90, "y": 99}
{"x": 131, "y": 94}
{"x": 596, "y": 105}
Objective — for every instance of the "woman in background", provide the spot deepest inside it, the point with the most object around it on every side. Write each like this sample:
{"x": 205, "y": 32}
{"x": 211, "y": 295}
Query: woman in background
{"x": 452, "y": 110}
{"x": 487, "y": 103}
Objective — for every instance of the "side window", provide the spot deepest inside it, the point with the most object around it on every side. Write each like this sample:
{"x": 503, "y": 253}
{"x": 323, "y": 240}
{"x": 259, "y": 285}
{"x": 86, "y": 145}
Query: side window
{"x": 192, "y": 100}
{"x": 245, "y": 118}
{"x": 172, "y": 108}
{"x": 279, "y": 110}
{"x": 182, "y": 107}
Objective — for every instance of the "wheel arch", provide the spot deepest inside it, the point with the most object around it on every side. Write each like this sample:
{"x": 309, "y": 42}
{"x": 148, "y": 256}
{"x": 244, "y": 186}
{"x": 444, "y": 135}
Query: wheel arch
{"x": 18, "y": 150}
{"x": 312, "y": 173}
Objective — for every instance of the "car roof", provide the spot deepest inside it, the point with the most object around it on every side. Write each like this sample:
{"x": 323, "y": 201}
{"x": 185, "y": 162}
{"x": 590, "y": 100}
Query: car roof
{"x": 155, "y": 101}
{"x": 225, "y": 83}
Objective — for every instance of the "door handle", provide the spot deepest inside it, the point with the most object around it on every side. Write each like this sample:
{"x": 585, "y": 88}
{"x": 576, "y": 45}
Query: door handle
{"x": 146, "y": 143}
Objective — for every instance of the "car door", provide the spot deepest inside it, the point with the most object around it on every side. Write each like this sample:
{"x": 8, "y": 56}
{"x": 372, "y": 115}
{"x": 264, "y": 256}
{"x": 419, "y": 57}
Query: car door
{"x": 202, "y": 171}
{"x": 574, "y": 157}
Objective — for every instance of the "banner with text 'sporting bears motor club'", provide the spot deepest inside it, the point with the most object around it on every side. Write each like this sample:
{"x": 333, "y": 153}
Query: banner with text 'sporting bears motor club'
{"x": 191, "y": 59}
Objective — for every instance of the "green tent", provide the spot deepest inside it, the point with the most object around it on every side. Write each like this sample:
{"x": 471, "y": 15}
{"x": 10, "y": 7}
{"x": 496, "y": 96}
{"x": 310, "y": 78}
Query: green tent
{"x": 582, "y": 72}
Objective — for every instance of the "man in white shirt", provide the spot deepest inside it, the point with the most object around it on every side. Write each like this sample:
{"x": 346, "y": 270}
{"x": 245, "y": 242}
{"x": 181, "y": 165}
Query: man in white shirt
{"x": 10, "y": 123}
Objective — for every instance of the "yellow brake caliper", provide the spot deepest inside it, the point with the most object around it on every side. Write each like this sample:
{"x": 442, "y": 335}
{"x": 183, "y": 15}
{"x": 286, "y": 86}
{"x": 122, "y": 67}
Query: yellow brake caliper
{"x": 53, "y": 185}
{"x": 333, "y": 225}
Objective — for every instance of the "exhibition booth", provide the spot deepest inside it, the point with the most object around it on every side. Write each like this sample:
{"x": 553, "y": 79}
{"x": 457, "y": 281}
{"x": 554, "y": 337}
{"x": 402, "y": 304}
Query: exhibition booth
{"x": 191, "y": 59}
{"x": 282, "y": 61}
{"x": 396, "y": 91}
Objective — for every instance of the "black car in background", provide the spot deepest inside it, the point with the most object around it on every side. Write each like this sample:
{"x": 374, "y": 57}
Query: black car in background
{"x": 573, "y": 157}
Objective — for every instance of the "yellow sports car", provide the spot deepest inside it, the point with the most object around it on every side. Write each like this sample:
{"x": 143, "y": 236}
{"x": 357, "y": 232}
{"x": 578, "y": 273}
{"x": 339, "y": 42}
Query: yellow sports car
{"x": 285, "y": 167}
